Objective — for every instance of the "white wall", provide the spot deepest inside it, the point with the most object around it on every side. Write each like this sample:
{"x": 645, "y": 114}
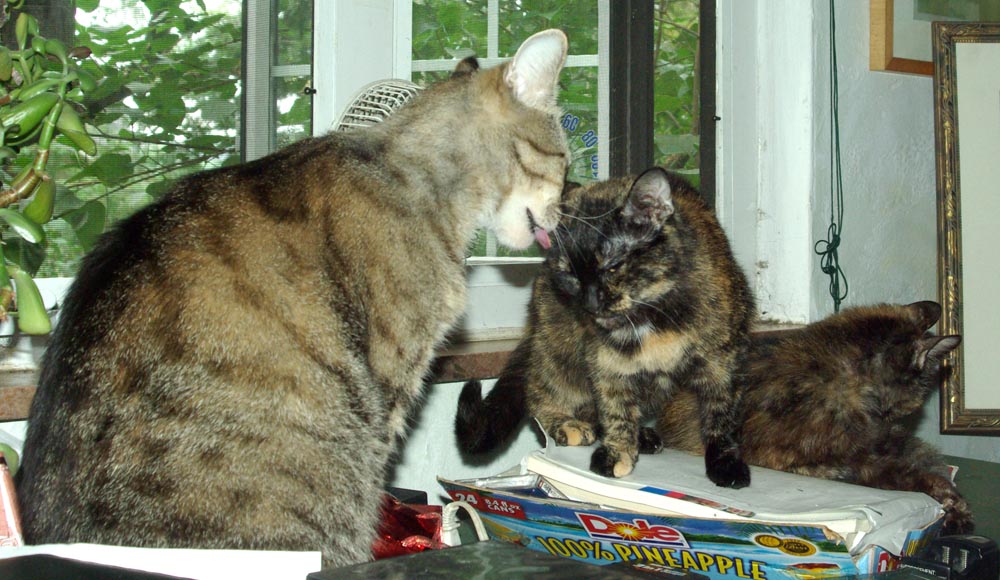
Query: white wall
{"x": 430, "y": 450}
{"x": 889, "y": 245}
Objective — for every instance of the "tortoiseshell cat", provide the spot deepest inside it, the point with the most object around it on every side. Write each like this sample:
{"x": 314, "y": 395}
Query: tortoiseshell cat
{"x": 639, "y": 295}
{"x": 830, "y": 400}
{"x": 233, "y": 364}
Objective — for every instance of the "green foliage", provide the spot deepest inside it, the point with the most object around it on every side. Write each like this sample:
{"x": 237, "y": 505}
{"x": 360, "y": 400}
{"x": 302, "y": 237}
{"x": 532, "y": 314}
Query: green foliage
{"x": 676, "y": 108}
{"x": 163, "y": 87}
{"x": 40, "y": 86}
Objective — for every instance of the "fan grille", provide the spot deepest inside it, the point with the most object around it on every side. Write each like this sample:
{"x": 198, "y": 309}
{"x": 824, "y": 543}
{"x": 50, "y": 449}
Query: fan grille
{"x": 374, "y": 102}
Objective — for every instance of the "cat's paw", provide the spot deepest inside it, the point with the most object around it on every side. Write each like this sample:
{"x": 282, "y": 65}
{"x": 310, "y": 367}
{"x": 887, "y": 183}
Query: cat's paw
{"x": 958, "y": 521}
{"x": 957, "y": 515}
{"x": 649, "y": 441}
{"x": 609, "y": 462}
{"x": 726, "y": 468}
{"x": 574, "y": 433}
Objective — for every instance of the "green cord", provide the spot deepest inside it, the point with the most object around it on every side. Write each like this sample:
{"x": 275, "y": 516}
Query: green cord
{"x": 827, "y": 248}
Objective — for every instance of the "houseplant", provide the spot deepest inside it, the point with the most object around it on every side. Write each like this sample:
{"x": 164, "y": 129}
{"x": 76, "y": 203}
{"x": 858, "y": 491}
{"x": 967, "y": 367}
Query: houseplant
{"x": 40, "y": 86}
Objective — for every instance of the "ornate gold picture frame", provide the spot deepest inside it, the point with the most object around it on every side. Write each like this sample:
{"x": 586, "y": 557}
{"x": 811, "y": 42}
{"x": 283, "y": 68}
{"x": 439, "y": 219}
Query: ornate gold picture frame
{"x": 967, "y": 139}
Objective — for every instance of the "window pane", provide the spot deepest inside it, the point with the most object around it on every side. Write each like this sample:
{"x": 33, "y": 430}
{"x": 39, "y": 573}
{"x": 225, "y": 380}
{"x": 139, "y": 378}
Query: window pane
{"x": 294, "y": 38}
{"x": 446, "y": 30}
{"x": 168, "y": 104}
{"x": 676, "y": 96}
{"x": 294, "y": 109}
{"x": 520, "y": 18}
{"x": 578, "y": 99}
{"x": 449, "y": 29}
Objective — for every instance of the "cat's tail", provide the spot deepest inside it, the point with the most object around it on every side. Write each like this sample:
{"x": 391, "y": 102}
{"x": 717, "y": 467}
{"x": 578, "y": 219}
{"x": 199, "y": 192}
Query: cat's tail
{"x": 484, "y": 424}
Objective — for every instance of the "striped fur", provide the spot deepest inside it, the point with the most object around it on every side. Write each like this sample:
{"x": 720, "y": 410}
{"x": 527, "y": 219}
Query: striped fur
{"x": 234, "y": 364}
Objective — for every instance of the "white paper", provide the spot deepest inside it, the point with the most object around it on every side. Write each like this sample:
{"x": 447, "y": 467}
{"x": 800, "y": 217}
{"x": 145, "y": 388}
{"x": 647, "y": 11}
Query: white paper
{"x": 777, "y": 496}
{"x": 186, "y": 563}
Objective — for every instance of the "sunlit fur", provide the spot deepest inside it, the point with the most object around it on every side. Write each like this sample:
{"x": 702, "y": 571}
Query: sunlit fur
{"x": 837, "y": 400}
{"x": 636, "y": 299}
{"x": 234, "y": 364}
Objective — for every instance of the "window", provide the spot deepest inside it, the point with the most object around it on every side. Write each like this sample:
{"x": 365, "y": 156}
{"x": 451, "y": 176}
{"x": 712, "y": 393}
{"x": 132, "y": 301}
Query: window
{"x": 173, "y": 75}
{"x": 195, "y": 84}
{"x": 677, "y": 94}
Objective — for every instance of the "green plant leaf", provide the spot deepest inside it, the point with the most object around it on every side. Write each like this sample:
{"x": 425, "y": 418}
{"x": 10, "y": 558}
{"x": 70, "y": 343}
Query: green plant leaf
{"x": 31, "y": 315}
{"x": 88, "y": 222}
{"x": 27, "y": 256}
{"x": 23, "y": 226}
{"x": 110, "y": 168}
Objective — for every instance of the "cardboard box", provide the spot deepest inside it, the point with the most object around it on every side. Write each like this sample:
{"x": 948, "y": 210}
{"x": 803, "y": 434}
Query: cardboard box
{"x": 730, "y": 540}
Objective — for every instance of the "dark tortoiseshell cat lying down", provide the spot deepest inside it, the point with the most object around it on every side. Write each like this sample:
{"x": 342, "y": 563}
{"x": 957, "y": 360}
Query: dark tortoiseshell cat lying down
{"x": 832, "y": 400}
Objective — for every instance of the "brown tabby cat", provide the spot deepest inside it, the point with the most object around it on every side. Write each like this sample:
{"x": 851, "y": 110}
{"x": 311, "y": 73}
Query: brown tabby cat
{"x": 234, "y": 364}
{"x": 829, "y": 400}
{"x": 639, "y": 294}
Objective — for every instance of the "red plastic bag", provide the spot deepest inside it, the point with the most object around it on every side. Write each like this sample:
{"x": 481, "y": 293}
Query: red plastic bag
{"x": 10, "y": 529}
{"x": 407, "y": 529}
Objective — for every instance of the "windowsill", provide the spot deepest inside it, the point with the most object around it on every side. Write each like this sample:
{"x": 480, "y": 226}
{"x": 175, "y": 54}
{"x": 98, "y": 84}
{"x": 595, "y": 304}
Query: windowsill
{"x": 456, "y": 363}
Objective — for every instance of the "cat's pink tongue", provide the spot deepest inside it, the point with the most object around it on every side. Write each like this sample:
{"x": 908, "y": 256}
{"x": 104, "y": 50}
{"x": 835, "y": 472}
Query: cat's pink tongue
{"x": 542, "y": 237}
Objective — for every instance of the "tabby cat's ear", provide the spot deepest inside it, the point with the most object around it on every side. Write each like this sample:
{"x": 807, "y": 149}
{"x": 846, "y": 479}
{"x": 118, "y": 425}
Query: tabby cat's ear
{"x": 925, "y": 313}
{"x": 935, "y": 347}
{"x": 533, "y": 73}
{"x": 649, "y": 201}
{"x": 466, "y": 66}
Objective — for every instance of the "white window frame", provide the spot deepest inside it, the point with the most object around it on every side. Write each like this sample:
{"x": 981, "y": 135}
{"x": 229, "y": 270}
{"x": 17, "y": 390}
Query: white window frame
{"x": 766, "y": 149}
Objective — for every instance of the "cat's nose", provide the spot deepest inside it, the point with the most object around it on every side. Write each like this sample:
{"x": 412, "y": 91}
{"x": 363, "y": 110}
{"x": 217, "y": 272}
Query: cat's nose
{"x": 592, "y": 300}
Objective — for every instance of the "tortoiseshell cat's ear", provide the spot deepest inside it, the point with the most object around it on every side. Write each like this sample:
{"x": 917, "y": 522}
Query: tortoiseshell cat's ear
{"x": 935, "y": 347}
{"x": 650, "y": 200}
{"x": 925, "y": 313}
{"x": 466, "y": 66}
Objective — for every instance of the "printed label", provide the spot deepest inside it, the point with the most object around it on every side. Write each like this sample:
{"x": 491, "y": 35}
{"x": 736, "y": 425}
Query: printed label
{"x": 500, "y": 507}
{"x": 638, "y": 530}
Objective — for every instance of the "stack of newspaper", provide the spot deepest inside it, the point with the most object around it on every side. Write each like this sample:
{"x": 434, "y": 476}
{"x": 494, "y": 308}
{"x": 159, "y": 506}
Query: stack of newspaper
{"x": 674, "y": 483}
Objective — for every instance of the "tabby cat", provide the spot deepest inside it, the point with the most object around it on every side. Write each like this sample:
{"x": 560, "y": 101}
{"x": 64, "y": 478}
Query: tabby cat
{"x": 639, "y": 295}
{"x": 233, "y": 364}
{"x": 830, "y": 400}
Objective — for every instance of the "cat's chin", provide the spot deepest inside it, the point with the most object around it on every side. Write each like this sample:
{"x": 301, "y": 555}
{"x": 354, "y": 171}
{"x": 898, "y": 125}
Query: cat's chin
{"x": 515, "y": 240}
{"x": 610, "y": 322}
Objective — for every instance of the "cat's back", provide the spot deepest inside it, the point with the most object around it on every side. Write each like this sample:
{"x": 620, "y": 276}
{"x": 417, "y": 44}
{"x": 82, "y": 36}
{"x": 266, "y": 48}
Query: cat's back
{"x": 194, "y": 327}
{"x": 716, "y": 262}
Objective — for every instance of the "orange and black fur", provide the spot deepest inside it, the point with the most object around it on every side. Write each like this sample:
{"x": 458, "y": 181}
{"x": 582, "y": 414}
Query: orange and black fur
{"x": 832, "y": 400}
{"x": 233, "y": 365}
{"x": 640, "y": 296}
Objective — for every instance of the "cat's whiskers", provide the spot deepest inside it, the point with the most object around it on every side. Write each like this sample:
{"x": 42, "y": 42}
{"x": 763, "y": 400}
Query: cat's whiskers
{"x": 586, "y": 223}
{"x": 635, "y": 330}
{"x": 650, "y": 306}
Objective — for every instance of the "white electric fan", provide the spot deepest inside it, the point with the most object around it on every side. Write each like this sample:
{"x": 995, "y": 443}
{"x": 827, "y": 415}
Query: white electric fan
{"x": 374, "y": 102}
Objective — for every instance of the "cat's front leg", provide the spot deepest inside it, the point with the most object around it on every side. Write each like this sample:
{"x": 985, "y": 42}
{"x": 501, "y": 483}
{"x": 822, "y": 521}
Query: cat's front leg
{"x": 923, "y": 476}
{"x": 567, "y": 430}
{"x": 719, "y": 405}
{"x": 619, "y": 413}
{"x": 957, "y": 513}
